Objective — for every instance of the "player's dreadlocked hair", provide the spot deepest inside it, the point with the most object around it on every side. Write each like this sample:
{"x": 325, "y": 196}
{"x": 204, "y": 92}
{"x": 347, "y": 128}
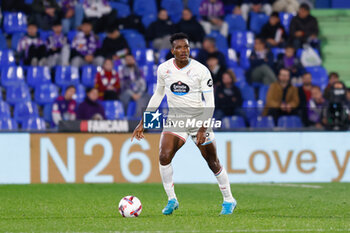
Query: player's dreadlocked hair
{"x": 178, "y": 36}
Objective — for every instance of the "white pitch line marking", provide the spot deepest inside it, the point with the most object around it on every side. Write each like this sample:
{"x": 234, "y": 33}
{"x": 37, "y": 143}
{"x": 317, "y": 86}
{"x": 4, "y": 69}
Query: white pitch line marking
{"x": 292, "y": 185}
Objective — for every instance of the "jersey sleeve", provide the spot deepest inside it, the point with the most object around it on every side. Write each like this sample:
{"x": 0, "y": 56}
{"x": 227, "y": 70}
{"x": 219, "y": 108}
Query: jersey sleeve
{"x": 160, "y": 77}
{"x": 206, "y": 81}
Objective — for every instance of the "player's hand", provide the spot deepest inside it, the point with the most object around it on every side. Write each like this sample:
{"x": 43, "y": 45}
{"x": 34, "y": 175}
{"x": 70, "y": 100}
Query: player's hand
{"x": 201, "y": 136}
{"x": 138, "y": 132}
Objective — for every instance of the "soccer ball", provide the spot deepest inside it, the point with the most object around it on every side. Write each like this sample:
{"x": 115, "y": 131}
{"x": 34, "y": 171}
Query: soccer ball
{"x": 130, "y": 207}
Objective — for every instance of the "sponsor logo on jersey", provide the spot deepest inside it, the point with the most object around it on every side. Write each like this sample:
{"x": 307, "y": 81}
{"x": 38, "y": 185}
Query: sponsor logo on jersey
{"x": 179, "y": 88}
{"x": 210, "y": 83}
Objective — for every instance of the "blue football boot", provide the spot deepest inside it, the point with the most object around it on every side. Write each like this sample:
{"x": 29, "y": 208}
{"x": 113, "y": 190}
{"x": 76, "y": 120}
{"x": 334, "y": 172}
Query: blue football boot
{"x": 228, "y": 207}
{"x": 172, "y": 205}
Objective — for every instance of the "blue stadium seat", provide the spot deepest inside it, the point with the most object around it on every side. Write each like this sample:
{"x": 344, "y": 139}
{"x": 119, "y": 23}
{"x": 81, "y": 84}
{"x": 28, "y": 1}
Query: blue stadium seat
{"x": 240, "y": 76}
{"x": 44, "y": 34}
{"x": 145, "y": 7}
{"x": 66, "y": 76}
{"x": 257, "y": 21}
{"x": 123, "y": 10}
{"x": 88, "y": 75}
{"x": 231, "y": 58}
{"x": 113, "y": 109}
{"x": 244, "y": 58}
{"x": 135, "y": 40}
{"x": 260, "y": 105}
{"x": 3, "y": 43}
{"x": 12, "y": 75}
{"x": 7, "y": 58}
{"x": 220, "y": 40}
{"x": 150, "y": 73}
{"x": 80, "y": 93}
{"x": 17, "y": 94}
{"x": 131, "y": 109}
{"x": 25, "y": 110}
{"x": 148, "y": 19}
{"x": 247, "y": 92}
{"x": 37, "y": 75}
{"x": 276, "y": 51}
{"x": 34, "y": 123}
{"x": 45, "y": 93}
{"x": 235, "y": 23}
{"x": 194, "y": 5}
{"x": 143, "y": 56}
{"x": 14, "y": 22}
{"x": 285, "y": 19}
{"x": 7, "y": 123}
{"x": 319, "y": 76}
{"x": 4, "y": 109}
{"x": 16, "y": 37}
{"x": 261, "y": 122}
{"x": 47, "y": 113}
{"x": 194, "y": 52}
{"x": 71, "y": 34}
{"x": 263, "y": 92}
{"x": 300, "y": 51}
{"x": 240, "y": 40}
{"x": 289, "y": 122}
{"x": 233, "y": 122}
{"x": 250, "y": 109}
{"x": 174, "y": 8}
{"x": 151, "y": 87}
{"x": 162, "y": 55}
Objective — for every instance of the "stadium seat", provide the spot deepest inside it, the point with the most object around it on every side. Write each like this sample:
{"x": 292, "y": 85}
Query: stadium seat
{"x": 7, "y": 58}
{"x": 3, "y": 43}
{"x": 80, "y": 93}
{"x": 220, "y": 40}
{"x": 261, "y": 122}
{"x": 148, "y": 19}
{"x": 131, "y": 109}
{"x": 14, "y": 22}
{"x": 174, "y": 8}
{"x": 289, "y": 122}
{"x": 88, "y": 75}
{"x": 260, "y": 105}
{"x": 34, "y": 123}
{"x": 194, "y": 5}
{"x": 162, "y": 55}
{"x": 123, "y": 10}
{"x": 135, "y": 40}
{"x": 276, "y": 51}
{"x": 240, "y": 77}
{"x": 16, "y": 37}
{"x": 17, "y": 94}
{"x": 66, "y": 76}
{"x": 319, "y": 75}
{"x": 47, "y": 113}
{"x": 37, "y": 75}
{"x": 250, "y": 109}
{"x": 150, "y": 73}
{"x": 235, "y": 23}
{"x": 143, "y": 56}
{"x": 45, "y": 93}
{"x": 44, "y": 34}
{"x": 25, "y": 110}
{"x": 6, "y": 123}
{"x": 285, "y": 19}
{"x": 113, "y": 109}
{"x": 300, "y": 51}
{"x": 4, "y": 109}
{"x": 240, "y": 40}
{"x": 71, "y": 34}
{"x": 247, "y": 92}
{"x": 244, "y": 58}
{"x": 257, "y": 21}
{"x": 145, "y": 7}
{"x": 194, "y": 52}
{"x": 12, "y": 75}
{"x": 233, "y": 122}
{"x": 263, "y": 92}
{"x": 231, "y": 58}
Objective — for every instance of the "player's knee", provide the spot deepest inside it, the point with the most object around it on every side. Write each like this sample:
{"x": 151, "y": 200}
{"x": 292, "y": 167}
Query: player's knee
{"x": 165, "y": 157}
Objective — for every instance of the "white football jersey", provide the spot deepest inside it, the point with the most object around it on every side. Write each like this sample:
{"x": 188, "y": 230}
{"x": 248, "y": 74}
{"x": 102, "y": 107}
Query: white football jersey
{"x": 184, "y": 87}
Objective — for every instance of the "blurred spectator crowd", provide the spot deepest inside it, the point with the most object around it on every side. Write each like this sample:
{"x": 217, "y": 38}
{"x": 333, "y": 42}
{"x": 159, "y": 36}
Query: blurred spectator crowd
{"x": 97, "y": 59}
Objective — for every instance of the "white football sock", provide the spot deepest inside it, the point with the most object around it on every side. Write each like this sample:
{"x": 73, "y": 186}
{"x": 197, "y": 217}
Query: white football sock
{"x": 166, "y": 172}
{"x": 224, "y": 185}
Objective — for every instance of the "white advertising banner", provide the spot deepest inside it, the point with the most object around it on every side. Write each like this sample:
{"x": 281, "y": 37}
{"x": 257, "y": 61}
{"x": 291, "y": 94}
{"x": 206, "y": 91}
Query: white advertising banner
{"x": 271, "y": 157}
{"x": 14, "y": 158}
{"x": 108, "y": 158}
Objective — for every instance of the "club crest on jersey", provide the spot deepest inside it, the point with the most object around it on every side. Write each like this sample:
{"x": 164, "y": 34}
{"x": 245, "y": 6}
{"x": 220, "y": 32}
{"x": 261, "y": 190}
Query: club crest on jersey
{"x": 179, "y": 88}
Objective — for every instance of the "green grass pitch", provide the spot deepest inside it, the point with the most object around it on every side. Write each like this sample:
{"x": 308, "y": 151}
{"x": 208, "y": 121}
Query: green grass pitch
{"x": 93, "y": 208}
